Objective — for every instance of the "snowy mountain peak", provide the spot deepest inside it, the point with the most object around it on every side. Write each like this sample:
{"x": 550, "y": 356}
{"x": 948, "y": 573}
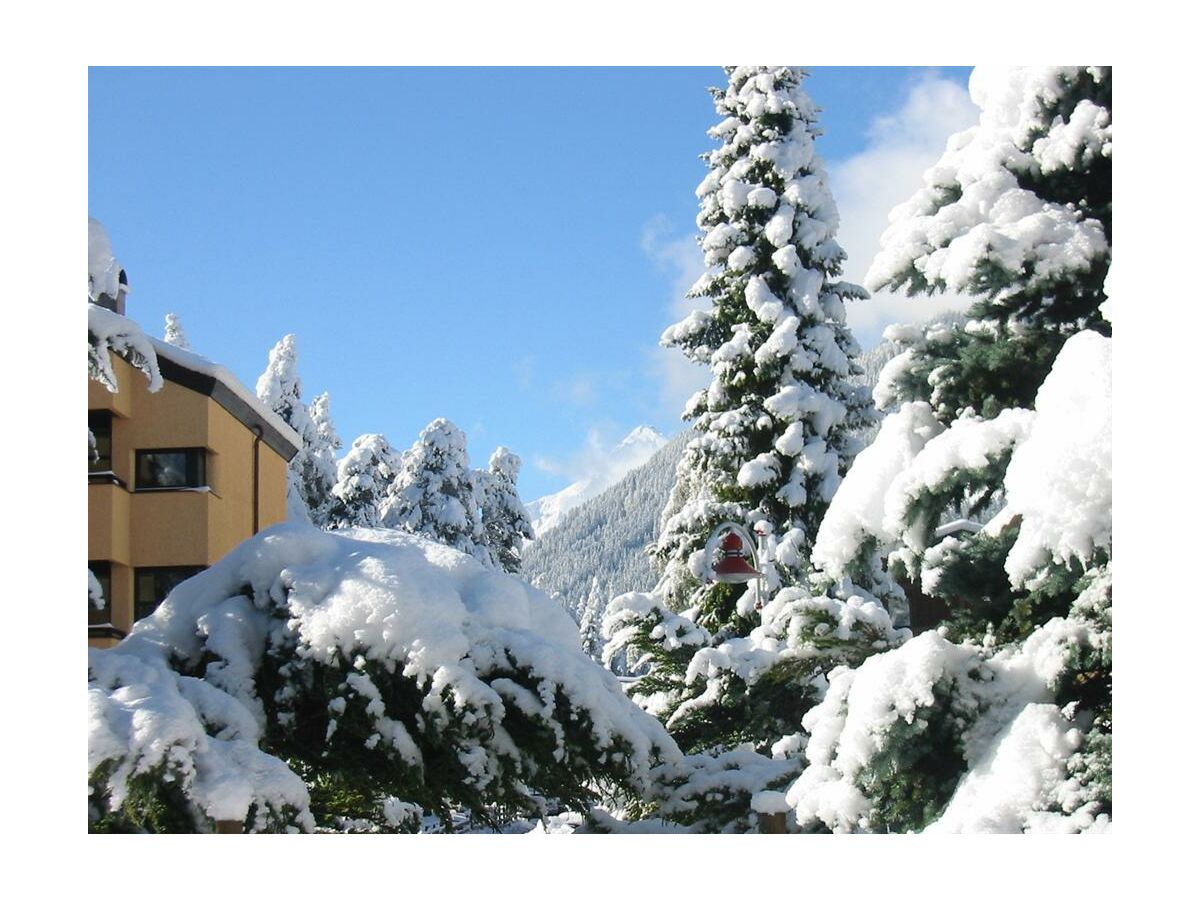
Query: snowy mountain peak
{"x": 602, "y": 469}
{"x": 643, "y": 435}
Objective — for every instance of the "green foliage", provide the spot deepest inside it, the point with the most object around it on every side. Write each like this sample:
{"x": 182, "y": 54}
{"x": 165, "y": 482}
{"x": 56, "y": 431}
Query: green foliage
{"x": 154, "y": 802}
{"x": 352, "y": 770}
{"x": 914, "y": 774}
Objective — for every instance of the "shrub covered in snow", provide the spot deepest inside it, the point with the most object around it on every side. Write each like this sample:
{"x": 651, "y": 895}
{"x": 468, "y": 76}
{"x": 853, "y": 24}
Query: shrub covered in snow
{"x": 310, "y": 672}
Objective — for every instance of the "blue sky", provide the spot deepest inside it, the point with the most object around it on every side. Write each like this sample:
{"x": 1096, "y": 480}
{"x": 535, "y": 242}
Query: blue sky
{"x": 498, "y": 246}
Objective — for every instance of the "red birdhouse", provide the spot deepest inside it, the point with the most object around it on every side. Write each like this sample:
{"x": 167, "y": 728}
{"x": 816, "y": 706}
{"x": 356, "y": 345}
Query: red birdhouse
{"x": 731, "y": 566}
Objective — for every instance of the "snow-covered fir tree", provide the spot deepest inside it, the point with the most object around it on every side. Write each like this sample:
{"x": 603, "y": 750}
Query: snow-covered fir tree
{"x": 1018, "y": 213}
{"x": 173, "y": 333}
{"x": 506, "y": 522}
{"x": 318, "y": 471}
{"x": 591, "y": 619}
{"x": 987, "y": 493}
{"x": 312, "y": 471}
{"x": 364, "y": 475}
{"x": 279, "y": 388}
{"x": 436, "y": 493}
{"x": 775, "y": 431}
{"x": 775, "y": 428}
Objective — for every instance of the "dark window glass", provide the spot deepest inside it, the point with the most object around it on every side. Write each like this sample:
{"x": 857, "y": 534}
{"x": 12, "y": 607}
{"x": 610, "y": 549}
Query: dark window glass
{"x": 170, "y": 469}
{"x": 100, "y": 425}
{"x": 151, "y": 586}
{"x": 103, "y": 572}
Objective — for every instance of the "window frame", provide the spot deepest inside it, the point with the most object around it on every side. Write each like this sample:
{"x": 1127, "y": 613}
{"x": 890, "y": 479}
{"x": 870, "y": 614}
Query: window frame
{"x": 143, "y": 608}
{"x": 196, "y": 466}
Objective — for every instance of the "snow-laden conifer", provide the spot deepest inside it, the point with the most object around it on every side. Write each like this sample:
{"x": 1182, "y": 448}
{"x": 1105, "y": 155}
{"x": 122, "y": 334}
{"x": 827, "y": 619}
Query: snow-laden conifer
{"x": 319, "y": 470}
{"x": 775, "y": 428}
{"x": 436, "y": 494}
{"x": 506, "y": 522}
{"x": 173, "y": 333}
{"x": 1018, "y": 212}
{"x": 775, "y": 431}
{"x": 279, "y": 389}
{"x": 312, "y": 471}
{"x": 987, "y": 495}
{"x": 363, "y": 477}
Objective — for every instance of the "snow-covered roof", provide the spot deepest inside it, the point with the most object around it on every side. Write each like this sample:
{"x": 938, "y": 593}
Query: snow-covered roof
{"x": 193, "y": 371}
{"x": 223, "y": 386}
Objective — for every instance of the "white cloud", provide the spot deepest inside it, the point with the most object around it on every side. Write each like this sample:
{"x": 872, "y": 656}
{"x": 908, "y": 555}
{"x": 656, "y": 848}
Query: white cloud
{"x": 677, "y": 376}
{"x": 869, "y": 184}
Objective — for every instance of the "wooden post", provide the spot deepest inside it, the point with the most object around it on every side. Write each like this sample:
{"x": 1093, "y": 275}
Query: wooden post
{"x": 772, "y": 823}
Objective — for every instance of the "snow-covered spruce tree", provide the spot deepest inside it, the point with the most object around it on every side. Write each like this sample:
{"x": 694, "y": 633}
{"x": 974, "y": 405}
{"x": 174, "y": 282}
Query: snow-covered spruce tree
{"x": 1001, "y": 720}
{"x": 506, "y": 524}
{"x": 312, "y": 471}
{"x": 1019, "y": 213}
{"x": 774, "y": 433}
{"x": 279, "y": 388}
{"x": 436, "y": 494}
{"x": 775, "y": 427}
{"x": 363, "y": 477}
{"x": 173, "y": 333}
{"x": 319, "y": 470}
{"x": 310, "y": 673}
{"x": 1003, "y": 733}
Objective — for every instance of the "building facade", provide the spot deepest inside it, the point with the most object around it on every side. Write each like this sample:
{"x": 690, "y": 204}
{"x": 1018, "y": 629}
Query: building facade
{"x": 180, "y": 477}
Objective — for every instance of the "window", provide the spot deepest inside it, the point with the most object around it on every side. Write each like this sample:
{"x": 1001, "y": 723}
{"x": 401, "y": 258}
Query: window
{"x": 151, "y": 586}
{"x": 100, "y": 425}
{"x": 170, "y": 469}
{"x": 102, "y": 569}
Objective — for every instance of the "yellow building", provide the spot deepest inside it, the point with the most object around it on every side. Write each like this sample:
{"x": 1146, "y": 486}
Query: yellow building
{"x": 184, "y": 474}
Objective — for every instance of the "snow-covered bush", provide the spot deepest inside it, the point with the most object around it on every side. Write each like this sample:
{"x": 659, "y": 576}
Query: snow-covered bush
{"x": 310, "y": 672}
